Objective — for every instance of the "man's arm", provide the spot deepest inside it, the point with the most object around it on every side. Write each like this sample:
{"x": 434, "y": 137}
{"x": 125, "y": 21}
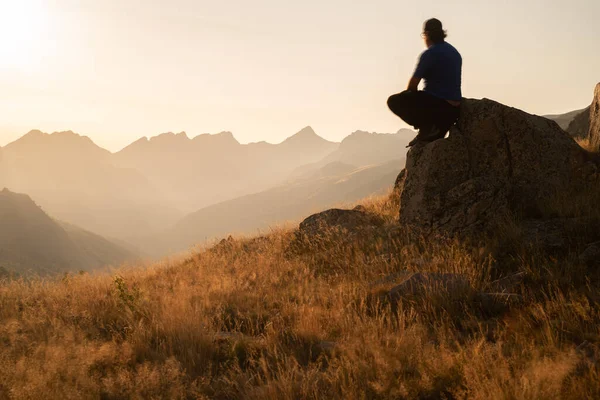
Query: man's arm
{"x": 413, "y": 84}
{"x": 423, "y": 66}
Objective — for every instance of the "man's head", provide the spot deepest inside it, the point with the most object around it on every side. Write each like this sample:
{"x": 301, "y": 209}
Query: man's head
{"x": 433, "y": 32}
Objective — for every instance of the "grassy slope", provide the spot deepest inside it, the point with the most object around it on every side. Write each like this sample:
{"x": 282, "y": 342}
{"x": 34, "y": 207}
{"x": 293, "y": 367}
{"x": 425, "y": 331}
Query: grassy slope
{"x": 249, "y": 319}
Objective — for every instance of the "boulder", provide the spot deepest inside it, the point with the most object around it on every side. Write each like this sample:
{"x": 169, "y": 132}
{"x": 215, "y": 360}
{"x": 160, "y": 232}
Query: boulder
{"x": 594, "y": 132}
{"x": 336, "y": 220}
{"x": 591, "y": 255}
{"x": 496, "y": 160}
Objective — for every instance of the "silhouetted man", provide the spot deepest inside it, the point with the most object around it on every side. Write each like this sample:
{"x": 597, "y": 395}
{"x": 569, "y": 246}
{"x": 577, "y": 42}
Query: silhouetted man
{"x": 435, "y": 109}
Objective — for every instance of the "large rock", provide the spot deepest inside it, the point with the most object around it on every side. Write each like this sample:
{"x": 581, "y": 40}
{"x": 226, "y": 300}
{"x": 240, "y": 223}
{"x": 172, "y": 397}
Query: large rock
{"x": 591, "y": 255}
{"x": 338, "y": 220}
{"x": 594, "y": 132}
{"x": 498, "y": 159}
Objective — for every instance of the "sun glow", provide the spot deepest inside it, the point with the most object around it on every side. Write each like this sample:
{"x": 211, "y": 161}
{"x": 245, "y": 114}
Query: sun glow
{"x": 23, "y": 24}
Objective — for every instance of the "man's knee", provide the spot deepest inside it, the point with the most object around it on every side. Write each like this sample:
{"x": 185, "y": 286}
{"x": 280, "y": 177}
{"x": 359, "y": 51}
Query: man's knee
{"x": 397, "y": 102}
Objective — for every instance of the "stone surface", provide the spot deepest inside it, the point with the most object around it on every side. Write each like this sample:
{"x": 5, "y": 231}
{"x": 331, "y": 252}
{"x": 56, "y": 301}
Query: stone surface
{"x": 559, "y": 235}
{"x": 399, "y": 184}
{"x": 591, "y": 255}
{"x": 549, "y": 234}
{"x": 498, "y": 159}
{"x": 337, "y": 219}
{"x": 594, "y": 132}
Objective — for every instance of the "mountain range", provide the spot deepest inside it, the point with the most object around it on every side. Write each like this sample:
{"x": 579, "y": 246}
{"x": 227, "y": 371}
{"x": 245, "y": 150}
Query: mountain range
{"x": 211, "y": 168}
{"x": 155, "y": 187}
{"x": 169, "y": 192}
{"x": 361, "y": 165}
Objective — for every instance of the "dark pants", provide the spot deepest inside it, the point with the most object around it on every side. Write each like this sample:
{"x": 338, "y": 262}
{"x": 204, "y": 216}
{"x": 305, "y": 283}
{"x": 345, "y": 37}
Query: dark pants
{"x": 422, "y": 110}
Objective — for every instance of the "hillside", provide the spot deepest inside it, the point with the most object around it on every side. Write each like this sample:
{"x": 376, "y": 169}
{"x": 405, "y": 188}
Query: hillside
{"x": 475, "y": 293}
{"x": 333, "y": 184}
{"x": 3, "y": 169}
{"x": 33, "y": 243}
{"x": 265, "y": 319}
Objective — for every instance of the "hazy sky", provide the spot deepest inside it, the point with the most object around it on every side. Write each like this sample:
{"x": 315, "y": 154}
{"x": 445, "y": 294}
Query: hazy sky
{"x": 116, "y": 70}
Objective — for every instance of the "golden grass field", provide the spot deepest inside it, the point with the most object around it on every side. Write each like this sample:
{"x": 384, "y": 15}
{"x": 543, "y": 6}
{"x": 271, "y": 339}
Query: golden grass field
{"x": 251, "y": 319}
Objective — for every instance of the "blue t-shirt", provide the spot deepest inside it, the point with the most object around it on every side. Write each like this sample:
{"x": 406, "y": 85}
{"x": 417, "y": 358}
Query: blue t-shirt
{"x": 441, "y": 67}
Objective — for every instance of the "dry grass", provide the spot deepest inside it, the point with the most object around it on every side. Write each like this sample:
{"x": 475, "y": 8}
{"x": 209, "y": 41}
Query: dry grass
{"x": 249, "y": 319}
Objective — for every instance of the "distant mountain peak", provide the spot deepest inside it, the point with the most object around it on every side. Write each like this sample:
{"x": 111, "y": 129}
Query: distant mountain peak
{"x": 304, "y": 136}
{"x": 360, "y": 136}
{"x": 170, "y": 136}
{"x": 221, "y": 137}
{"x": 361, "y": 133}
{"x": 38, "y": 133}
{"x": 307, "y": 130}
{"x": 35, "y": 132}
{"x": 55, "y": 141}
{"x": 66, "y": 133}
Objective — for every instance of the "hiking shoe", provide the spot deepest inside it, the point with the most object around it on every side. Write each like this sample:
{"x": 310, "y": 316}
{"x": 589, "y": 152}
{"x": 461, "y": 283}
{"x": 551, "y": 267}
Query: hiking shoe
{"x": 413, "y": 142}
{"x": 431, "y": 134}
{"x": 427, "y": 135}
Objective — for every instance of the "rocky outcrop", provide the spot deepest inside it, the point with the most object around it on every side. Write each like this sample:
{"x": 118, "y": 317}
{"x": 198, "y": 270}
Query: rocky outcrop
{"x": 338, "y": 220}
{"x": 337, "y": 229}
{"x": 496, "y": 160}
{"x": 594, "y": 132}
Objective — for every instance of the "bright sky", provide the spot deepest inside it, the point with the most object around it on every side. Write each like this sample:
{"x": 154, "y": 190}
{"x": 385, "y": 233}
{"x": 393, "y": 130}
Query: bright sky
{"x": 116, "y": 70}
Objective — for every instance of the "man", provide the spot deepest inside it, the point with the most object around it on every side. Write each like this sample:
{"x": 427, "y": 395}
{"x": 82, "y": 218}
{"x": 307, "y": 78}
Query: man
{"x": 435, "y": 109}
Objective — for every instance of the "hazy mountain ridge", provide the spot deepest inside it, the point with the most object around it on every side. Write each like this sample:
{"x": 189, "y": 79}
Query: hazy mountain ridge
{"x": 563, "y": 120}
{"x": 286, "y": 202}
{"x": 364, "y": 163}
{"x": 580, "y": 125}
{"x": 151, "y": 183}
{"x": 362, "y": 148}
{"x": 148, "y": 186}
{"x": 212, "y": 168}
{"x": 58, "y": 144}
{"x": 33, "y": 242}
{"x": 75, "y": 180}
